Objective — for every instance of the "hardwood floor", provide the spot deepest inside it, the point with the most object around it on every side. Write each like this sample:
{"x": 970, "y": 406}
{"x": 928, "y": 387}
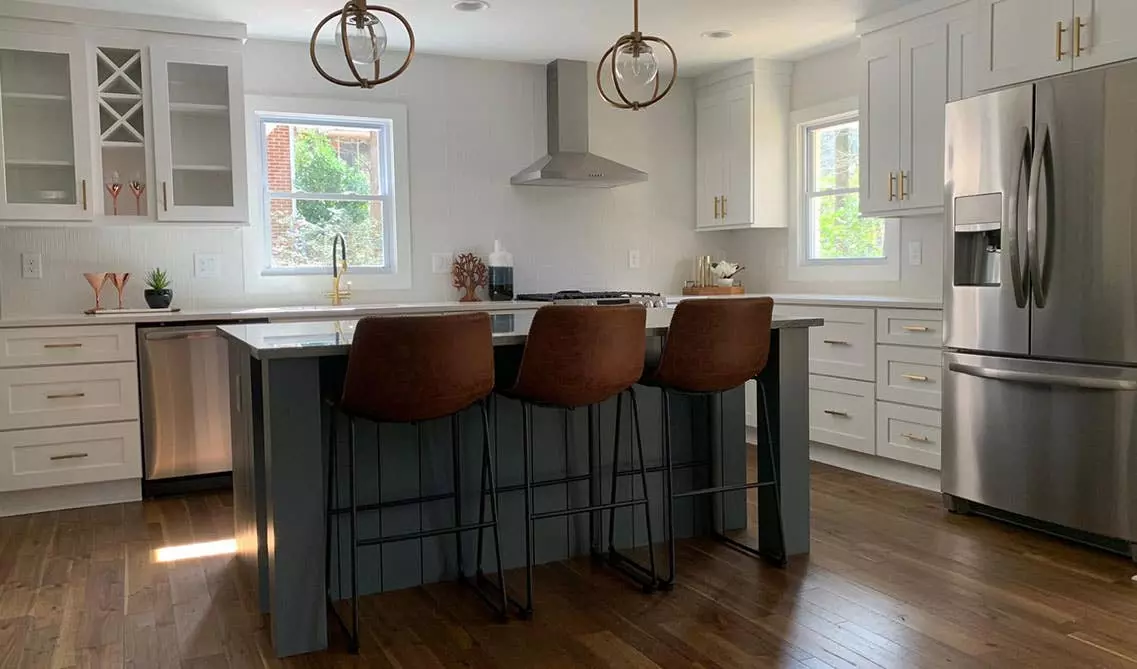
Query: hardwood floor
{"x": 892, "y": 581}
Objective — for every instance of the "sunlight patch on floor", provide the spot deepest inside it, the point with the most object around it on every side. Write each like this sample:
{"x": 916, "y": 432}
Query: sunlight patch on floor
{"x": 198, "y": 550}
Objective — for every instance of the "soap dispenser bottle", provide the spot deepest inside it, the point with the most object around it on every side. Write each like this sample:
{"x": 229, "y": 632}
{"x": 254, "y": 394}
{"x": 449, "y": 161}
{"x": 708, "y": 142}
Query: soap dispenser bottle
{"x": 501, "y": 274}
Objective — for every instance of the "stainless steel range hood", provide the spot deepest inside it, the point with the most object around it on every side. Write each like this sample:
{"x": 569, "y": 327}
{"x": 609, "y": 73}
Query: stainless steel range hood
{"x": 569, "y": 162}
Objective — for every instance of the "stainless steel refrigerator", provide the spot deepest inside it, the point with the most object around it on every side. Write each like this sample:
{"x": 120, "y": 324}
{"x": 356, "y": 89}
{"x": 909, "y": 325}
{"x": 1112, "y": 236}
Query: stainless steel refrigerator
{"x": 1040, "y": 304}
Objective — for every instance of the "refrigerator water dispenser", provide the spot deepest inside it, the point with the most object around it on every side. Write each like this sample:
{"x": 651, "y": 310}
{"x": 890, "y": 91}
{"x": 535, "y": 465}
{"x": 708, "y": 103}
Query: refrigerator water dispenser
{"x": 978, "y": 240}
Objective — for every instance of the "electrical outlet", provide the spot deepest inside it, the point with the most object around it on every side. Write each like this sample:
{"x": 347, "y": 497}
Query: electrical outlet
{"x": 206, "y": 265}
{"x": 31, "y": 265}
{"x": 440, "y": 263}
{"x": 633, "y": 258}
{"x": 915, "y": 253}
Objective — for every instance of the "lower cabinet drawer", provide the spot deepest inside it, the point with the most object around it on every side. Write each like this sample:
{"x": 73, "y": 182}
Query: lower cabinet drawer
{"x": 909, "y": 375}
{"x": 58, "y": 456}
{"x": 841, "y": 413}
{"x": 70, "y": 395}
{"x": 908, "y": 434}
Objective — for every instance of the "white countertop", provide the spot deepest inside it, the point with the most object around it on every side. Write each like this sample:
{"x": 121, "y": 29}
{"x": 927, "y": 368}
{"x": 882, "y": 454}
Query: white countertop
{"x": 309, "y": 312}
{"x": 874, "y": 301}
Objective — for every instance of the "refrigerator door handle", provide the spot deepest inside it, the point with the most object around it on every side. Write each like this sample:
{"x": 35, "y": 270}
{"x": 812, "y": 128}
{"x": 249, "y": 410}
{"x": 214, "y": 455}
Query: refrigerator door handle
{"x": 1018, "y": 269}
{"x": 1045, "y": 379}
{"x": 1034, "y": 257}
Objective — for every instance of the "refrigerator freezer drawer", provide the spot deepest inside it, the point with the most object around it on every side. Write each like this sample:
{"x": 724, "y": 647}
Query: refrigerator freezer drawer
{"x": 1051, "y": 441}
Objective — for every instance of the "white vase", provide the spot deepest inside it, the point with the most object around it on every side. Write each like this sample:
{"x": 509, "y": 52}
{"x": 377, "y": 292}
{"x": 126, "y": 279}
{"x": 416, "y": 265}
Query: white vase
{"x": 726, "y": 283}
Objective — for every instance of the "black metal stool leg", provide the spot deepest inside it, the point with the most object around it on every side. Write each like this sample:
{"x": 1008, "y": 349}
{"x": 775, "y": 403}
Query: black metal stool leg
{"x": 615, "y": 475}
{"x": 332, "y": 502}
{"x": 643, "y": 481}
{"x": 776, "y": 495}
{"x": 527, "y": 465}
{"x": 504, "y": 611}
{"x": 645, "y": 577}
{"x": 668, "y": 497}
{"x": 456, "y": 445}
{"x": 354, "y": 537}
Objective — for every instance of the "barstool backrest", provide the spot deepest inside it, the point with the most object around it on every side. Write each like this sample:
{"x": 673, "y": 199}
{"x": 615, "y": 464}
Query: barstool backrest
{"x": 581, "y": 355}
{"x": 403, "y": 369}
{"x": 714, "y": 345}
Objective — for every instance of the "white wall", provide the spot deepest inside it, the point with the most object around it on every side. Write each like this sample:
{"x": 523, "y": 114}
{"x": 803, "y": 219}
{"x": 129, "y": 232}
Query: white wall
{"x": 473, "y": 124}
{"x": 827, "y": 77}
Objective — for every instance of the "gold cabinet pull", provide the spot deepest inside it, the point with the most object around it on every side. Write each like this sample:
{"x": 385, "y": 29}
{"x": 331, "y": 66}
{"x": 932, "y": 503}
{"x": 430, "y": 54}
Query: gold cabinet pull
{"x": 165, "y": 199}
{"x": 915, "y": 377}
{"x": 69, "y": 456}
{"x": 83, "y": 187}
{"x": 716, "y": 207}
{"x": 834, "y": 412}
{"x": 67, "y": 396}
{"x": 903, "y": 195}
{"x": 891, "y": 186}
{"x": 917, "y": 328}
{"x": 68, "y": 345}
{"x": 1058, "y": 52}
{"x": 916, "y": 437}
{"x": 724, "y": 206}
{"x": 835, "y": 342}
{"x": 1078, "y": 25}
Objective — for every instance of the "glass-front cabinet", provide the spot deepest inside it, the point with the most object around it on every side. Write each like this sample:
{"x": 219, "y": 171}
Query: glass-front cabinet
{"x": 45, "y": 135}
{"x": 199, "y": 134}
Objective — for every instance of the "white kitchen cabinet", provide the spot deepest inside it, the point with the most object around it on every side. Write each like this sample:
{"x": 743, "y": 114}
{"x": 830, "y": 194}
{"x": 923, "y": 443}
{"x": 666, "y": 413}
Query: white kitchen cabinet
{"x": 199, "y": 128}
{"x": 1025, "y": 40}
{"x": 742, "y": 150}
{"x": 908, "y": 434}
{"x": 61, "y": 456}
{"x": 963, "y": 57}
{"x": 1104, "y": 32}
{"x": 45, "y": 129}
{"x": 903, "y": 93}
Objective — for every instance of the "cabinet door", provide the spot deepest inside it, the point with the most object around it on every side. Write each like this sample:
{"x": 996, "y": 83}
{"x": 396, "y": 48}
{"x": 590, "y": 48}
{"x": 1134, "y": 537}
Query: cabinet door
{"x": 880, "y": 123}
{"x": 923, "y": 94}
{"x": 1105, "y": 31}
{"x": 963, "y": 58}
{"x": 738, "y": 194}
{"x": 45, "y": 132}
{"x": 199, "y": 135}
{"x": 712, "y": 125}
{"x": 1024, "y": 40}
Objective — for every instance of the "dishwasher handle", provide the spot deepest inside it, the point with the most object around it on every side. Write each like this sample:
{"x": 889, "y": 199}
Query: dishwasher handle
{"x": 184, "y": 334}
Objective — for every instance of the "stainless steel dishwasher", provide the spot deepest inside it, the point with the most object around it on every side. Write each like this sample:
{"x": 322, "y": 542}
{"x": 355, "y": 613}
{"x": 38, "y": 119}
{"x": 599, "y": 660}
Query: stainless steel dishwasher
{"x": 185, "y": 402}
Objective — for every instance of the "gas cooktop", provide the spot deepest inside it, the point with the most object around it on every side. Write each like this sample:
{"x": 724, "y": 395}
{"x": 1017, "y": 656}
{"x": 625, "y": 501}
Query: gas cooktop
{"x": 596, "y": 297}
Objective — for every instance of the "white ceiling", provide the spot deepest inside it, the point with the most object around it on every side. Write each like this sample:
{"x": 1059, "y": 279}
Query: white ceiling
{"x": 540, "y": 30}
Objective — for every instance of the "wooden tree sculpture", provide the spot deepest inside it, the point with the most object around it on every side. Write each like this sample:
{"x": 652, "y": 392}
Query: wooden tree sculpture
{"x": 469, "y": 273}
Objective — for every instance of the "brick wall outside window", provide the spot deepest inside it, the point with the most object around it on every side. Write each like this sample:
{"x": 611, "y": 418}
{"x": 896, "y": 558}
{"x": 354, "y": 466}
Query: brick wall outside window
{"x": 278, "y": 147}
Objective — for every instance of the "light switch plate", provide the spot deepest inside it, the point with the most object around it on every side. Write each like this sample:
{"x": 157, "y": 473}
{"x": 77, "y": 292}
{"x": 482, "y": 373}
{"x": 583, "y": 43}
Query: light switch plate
{"x": 206, "y": 265}
{"x": 633, "y": 258}
{"x": 440, "y": 263}
{"x": 31, "y": 265}
{"x": 915, "y": 253}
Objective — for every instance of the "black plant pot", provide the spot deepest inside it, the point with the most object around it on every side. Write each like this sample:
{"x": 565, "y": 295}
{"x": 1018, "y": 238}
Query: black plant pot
{"x": 159, "y": 299}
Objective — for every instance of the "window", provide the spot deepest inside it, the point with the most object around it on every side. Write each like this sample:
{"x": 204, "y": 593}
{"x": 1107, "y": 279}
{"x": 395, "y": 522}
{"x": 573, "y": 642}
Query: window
{"x": 832, "y": 240}
{"x": 323, "y": 176}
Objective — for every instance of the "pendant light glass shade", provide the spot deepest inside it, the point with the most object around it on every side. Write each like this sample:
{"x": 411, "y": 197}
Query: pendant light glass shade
{"x": 634, "y": 66}
{"x": 362, "y": 37}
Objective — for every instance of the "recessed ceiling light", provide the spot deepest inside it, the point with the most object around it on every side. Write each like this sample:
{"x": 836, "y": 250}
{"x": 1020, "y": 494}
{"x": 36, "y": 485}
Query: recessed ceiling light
{"x": 718, "y": 34}
{"x": 471, "y": 5}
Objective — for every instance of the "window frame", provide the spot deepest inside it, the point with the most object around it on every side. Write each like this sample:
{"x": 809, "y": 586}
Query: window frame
{"x": 397, "y": 272}
{"x": 801, "y": 266}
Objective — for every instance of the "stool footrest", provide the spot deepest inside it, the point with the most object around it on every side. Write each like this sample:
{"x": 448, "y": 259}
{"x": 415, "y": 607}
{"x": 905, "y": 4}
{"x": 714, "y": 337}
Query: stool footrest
{"x": 409, "y": 501}
{"x": 724, "y": 488}
{"x": 425, "y": 534}
{"x": 634, "y": 570}
{"x": 775, "y": 560}
{"x": 587, "y": 509}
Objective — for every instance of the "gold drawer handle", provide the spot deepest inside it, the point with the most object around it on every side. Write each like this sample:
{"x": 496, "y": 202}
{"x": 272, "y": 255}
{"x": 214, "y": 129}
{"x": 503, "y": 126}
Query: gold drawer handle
{"x": 915, "y": 377}
{"x": 66, "y": 396}
{"x": 836, "y": 342}
{"x": 916, "y": 437}
{"x": 1059, "y": 30}
{"x": 69, "y": 456}
{"x": 72, "y": 345}
{"x": 917, "y": 328}
{"x": 834, "y": 412}
{"x": 717, "y": 208}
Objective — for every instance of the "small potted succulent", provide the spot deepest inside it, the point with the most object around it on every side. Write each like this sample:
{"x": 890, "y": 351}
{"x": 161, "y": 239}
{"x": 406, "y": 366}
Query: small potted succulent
{"x": 158, "y": 293}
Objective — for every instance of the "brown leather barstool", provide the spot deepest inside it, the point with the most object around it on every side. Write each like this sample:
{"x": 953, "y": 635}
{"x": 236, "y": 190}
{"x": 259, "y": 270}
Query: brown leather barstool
{"x": 412, "y": 369}
{"x": 580, "y": 356}
{"x": 716, "y": 345}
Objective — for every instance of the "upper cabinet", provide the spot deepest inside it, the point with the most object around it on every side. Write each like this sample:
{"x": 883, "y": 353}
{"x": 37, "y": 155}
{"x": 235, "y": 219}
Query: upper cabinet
{"x": 904, "y": 87}
{"x": 742, "y": 147}
{"x": 199, "y": 146}
{"x": 114, "y": 126}
{"x": 1023, "y": 40}
{"x": 45, "y": 131}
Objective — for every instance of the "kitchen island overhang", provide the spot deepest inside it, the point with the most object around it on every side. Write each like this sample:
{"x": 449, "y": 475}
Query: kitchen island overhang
{"x": 280, "y": 373}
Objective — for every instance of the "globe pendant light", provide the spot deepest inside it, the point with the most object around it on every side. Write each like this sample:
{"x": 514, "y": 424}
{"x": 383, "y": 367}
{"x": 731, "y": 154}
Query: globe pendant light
{"x": 634, "y": 63}
{"x": 363, "y": 39}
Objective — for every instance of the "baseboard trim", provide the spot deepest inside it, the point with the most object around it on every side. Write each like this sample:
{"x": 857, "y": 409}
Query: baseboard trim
{"x": 881, "y": 468}
{"x": 21, "y": 502}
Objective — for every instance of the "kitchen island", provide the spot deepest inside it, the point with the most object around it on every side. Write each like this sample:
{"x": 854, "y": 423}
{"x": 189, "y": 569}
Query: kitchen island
{"x": 279, "y": 374}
